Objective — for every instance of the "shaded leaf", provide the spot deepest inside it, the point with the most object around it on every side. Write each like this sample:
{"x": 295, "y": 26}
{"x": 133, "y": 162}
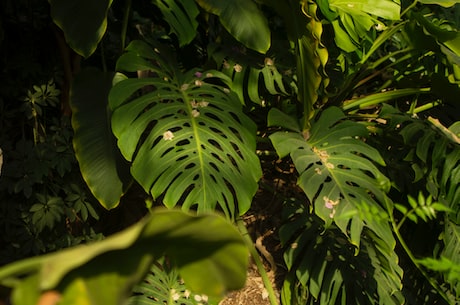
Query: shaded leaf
{"x": 83, "y": 22}
{"x": 181, "y": 17}
{"x": 243, "y": 19}
{"x": 208, "y": 250}
{"x": 101, "y": 163}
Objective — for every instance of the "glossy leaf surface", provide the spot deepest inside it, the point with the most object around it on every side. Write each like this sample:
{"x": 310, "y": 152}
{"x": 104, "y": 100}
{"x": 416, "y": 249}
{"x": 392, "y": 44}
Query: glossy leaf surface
{"x": 83, "y": 22}
{"x": 208, "y": 250}
{"x": 188, "y": 139}
{"x": 101, "y": 164}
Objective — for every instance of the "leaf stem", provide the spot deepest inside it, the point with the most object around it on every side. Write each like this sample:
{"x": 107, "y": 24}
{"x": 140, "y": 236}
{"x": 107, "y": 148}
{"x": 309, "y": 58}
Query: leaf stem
{"x": 260, "y": 267}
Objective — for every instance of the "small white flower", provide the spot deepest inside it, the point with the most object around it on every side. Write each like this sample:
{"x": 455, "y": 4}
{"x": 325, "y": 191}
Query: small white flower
{"x": 380, "y": 27}
{"x": 168, "y": 135}
{"x": 198, "y": 298}
{"x": 184, "y": 87}
{"x": 330, "y": 204}
{"x": 209, "y": 74}
{"x": 269, "y": 62}
{"x": 318, "y": 171}
{"x": 264, "y": 294}
{"x": 187, "y": 293}
{"x": 332, "y": 214}
{"x": 198, "y": 83}
{"x": 204, "y": 298}
{"x": 226, "y": 90}
{"x": 203, "y": 104}
{"x": 194, "y": 104}
{"x": 175, "y": 295}
{"x": 225, "y": 64}
{"x": 195, "y": 113}
{"x": 238, "y": 68}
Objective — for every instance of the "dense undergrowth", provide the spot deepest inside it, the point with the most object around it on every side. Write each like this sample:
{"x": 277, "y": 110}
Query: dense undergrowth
{"x": 112, "y": 110}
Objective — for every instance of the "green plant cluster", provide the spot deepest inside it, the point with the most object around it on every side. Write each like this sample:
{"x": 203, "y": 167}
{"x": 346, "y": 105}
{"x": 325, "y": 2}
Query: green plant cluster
{"x": 360, "y": 97}
{"x": 45, "y": 204}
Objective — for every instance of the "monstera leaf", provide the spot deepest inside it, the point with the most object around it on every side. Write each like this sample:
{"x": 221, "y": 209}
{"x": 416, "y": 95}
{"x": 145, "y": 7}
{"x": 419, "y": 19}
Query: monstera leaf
{"x": 337, "y": 172}
{"x": 188, "y": 139}
{"x": 327, "y": 268}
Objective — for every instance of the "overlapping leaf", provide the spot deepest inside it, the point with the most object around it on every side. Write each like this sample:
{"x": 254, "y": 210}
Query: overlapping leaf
{"x": 243, "y": 19}
{"x": 328, "y": 269}
{"x": 187, "y": 138}
{"x": 83, "y": 22}
{"x": 208, "y": 250}
{"x": 101, "y": 164}
{"x": 353, "y": 20}
{"x": 163, "y": 285}
{"x": 337, "y": 172}
{"x": 181, "y": 17}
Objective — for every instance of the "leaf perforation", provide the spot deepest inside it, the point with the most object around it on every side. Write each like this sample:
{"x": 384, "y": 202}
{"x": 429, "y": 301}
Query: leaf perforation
{"x": 188, "y": 132}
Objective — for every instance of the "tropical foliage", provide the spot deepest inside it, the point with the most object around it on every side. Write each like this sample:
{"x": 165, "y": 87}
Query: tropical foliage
{"x": 360, "y": 96}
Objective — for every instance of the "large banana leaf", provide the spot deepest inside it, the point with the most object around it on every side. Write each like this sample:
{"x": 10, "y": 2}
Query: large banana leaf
{"x": 100, "y": 161}
{"x": 83, "y": 22}
{"x": 187, "y": 139}
{"x": 243, "y": 19}
{"x": 337, "y": 172}
{"x": 208, "y": 250}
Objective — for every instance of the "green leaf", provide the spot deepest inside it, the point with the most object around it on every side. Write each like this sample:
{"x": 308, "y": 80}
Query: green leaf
{"x": 188, "y": 140}
{"x": 337, "y": 275}
{"x": 208, "y": 250}
{"x": 181, "y": 17}
{"x": 352, "y": 21}
{"x": 337, "y": 173}
{"x": 243, "y": 19}
{"x": 83, "y": 22}
{"x": 445, "y": 3}
{"x": 278, "y": 118}
{"x": 101, "y": 164}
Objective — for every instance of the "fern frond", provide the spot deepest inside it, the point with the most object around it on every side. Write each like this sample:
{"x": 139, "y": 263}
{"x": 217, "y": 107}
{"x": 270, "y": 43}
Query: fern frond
{"x": 188, "y": 138}
{"x": 163, "y": 285}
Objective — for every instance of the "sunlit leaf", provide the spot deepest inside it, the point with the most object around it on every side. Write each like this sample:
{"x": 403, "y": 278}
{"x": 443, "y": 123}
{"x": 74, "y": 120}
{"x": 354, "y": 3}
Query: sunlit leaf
{"x": 188, "y": 139}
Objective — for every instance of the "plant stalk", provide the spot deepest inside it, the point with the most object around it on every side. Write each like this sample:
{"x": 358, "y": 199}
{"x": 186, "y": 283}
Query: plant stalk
{"x": 260, "y": 267}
